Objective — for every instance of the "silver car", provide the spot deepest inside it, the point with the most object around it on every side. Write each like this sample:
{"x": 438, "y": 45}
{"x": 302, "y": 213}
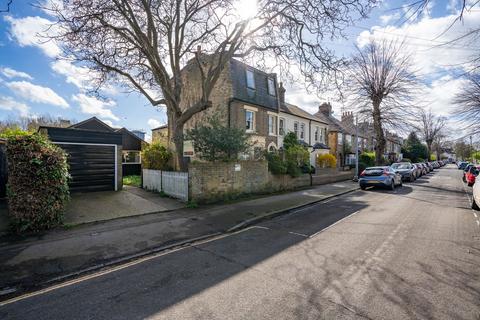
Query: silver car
{"x": 381, "y": 177}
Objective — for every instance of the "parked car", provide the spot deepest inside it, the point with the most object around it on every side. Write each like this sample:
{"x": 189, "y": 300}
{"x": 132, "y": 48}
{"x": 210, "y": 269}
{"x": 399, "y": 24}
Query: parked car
{"x": 380, "y": 176}
{"x": 462, "y": 165}
{"x": 471, "y": 174}
{"x": 476, "y": 196}
{"x": 420, "y": 169}
{"x": 467, "y": 168}
{"x": 427, "y": 168}
{"x": 430, "y": 166}
{"x": 407, "y": 170}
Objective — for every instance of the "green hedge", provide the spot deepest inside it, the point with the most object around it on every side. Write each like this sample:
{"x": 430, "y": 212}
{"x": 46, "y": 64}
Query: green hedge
{"x": 37, "y": 188}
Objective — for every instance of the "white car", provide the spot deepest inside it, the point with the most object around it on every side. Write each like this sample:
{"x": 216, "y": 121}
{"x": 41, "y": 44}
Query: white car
{"x": 476, "y": 196}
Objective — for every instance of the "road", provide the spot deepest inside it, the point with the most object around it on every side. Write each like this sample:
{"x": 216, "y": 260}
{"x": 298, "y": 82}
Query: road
{"x": 409, "y": 254}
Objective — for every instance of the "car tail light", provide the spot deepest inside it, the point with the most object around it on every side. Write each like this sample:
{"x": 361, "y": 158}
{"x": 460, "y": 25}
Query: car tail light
{"x": 385, "y": 173}
{"x": 363, "y": 173}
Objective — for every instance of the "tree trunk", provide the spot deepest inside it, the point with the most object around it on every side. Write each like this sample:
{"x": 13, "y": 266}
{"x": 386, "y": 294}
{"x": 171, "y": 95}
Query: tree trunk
{"x": 429, "y": 150}
{"x": 177, "y": 138}
{"x": 379, "y": 134}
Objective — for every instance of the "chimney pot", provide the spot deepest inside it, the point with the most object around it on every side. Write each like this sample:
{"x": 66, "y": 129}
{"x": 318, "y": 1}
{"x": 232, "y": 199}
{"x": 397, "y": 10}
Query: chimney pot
{"x": 281, "y": 93}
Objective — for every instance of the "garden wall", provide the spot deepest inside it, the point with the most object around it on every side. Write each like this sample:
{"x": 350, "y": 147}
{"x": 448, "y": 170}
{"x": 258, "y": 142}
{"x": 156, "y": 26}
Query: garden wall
{"x": 210, "y": 182}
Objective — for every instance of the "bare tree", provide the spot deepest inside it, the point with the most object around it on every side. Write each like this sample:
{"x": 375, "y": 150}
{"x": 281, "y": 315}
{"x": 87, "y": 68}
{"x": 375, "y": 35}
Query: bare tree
{"x": 6, "y": 7}
{"x": 468, "y": 104}
{"x": 381, "y": 87}
{"x": 145, "y": 44}
{"x": 431, "y": 127}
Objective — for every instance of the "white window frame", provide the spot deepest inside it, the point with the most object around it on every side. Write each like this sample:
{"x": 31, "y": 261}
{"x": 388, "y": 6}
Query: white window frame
{"x": 272, "y": 125}
{"x": 302, "y": 131}
{"x": 295, "y": 128}
{"x": 139, "y": 156}
{"x": 316, "y": 133}
{"x": 340, "y": 138}
{"x": 271, "y": 86}
{"x": 281, "y": 129}
{"x": 250, "y": 75}
{"x": 252, "y": 129}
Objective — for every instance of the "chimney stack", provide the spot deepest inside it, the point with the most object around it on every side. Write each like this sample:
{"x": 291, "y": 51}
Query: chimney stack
{"x": 281, "y": 93}
{"x": 199, "y": 49}
{"x": 325, "y": 108}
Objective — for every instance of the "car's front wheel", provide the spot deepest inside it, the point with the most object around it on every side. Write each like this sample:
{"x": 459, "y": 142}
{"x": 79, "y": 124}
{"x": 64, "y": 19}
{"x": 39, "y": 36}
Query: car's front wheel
{"x": 392, "y": 185}
{"x": 474, "y": 205}
{"x": 363, "y": 187}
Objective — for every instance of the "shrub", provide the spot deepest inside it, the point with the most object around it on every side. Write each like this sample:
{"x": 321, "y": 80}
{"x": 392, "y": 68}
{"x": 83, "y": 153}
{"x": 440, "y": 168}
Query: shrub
{"x": 157, "y": 157}
{"x": 296, "y": 156}
{"x": 215, "y": 142}
{"x": 327, "y": 161}
{"x": 275, "y": 163}
{"x": 133, "y": 180}
{"x": 37, "y": 188}
{"x": 368, "y": 158}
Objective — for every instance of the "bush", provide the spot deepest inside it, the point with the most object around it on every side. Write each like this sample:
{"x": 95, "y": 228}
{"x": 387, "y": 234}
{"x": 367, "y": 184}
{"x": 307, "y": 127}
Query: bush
{"x": 275, "y": 163}
{"x": 406, "y": 160}
{"x": 133, "y": 180}
{"x": 157, "y": 157}
{"x": 37, "y": 188}
{"x": 368, "y": 158}
{"x": 215, "y": 142}
{"x": 327, "y": 161}
{"x": 296, "y": 156}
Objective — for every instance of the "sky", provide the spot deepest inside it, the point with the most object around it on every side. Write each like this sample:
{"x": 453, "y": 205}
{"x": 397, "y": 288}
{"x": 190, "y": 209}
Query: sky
{"x": 34, "y": 82}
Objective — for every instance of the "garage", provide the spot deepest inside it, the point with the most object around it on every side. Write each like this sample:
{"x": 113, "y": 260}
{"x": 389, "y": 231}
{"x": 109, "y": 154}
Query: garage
{"x": 93, "y": 157}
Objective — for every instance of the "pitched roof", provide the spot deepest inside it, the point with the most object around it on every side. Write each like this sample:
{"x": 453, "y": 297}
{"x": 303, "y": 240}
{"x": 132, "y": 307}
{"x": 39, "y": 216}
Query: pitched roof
{"x": 92, "y": 119}
{"x": 163, "y": 126}
{"x": 130, "y": 133}
{"x": 296, "y": 111}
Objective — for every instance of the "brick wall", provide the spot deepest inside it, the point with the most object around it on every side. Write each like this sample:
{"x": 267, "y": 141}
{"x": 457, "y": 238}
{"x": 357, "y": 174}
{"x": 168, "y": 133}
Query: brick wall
{"x": 209, "y": 182}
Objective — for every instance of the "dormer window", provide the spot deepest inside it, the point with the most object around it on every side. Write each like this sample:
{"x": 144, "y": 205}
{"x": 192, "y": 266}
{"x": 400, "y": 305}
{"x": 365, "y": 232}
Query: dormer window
{"x": 250, "y": 79}
{"x": 271, "y": 86}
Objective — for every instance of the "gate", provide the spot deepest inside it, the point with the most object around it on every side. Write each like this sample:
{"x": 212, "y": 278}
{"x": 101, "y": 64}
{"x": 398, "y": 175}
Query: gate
{"x": 172, "y": 183}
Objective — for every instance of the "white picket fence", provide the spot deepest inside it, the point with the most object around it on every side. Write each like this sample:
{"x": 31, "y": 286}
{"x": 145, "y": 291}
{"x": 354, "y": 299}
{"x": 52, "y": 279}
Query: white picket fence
{"x": 174, "y": 184}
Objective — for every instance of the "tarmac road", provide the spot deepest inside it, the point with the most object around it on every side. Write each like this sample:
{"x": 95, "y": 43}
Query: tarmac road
{"x": 409, "y": 254}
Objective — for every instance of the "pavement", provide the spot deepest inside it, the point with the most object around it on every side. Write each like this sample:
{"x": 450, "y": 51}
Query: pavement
{"x": 409, "y": 254}
{"x": 107, "y": 205}
{"x": 33, "y": 262}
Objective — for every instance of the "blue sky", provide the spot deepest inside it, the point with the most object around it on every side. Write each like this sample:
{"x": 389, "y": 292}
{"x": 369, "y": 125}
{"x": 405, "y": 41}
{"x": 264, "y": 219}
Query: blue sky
{"x": 33, "y": 82}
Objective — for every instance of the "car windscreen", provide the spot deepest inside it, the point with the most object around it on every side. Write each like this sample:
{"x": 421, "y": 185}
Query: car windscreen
{"x": 374, "y": 171}
{"x": 401, "y": 166}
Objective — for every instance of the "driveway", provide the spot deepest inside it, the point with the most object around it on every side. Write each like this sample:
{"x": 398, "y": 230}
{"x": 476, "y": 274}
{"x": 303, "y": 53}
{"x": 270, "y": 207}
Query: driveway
{"x": 106, "y": 205}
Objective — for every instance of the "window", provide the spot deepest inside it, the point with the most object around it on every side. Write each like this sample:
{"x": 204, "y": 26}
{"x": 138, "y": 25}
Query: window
{"x": 316, "y": 133}
{"x": 272, "y": 125}
{"x": 340, "y": 138}
{"x": 281, "y": 126}
{"x": 271, "y": 86}
{"x": 302, "y": 131}
{"x": 250, "y": 79}
{"x": 131, "y": 157}
{"x": 249, "y": 120}
{"x": 295, "y": 128}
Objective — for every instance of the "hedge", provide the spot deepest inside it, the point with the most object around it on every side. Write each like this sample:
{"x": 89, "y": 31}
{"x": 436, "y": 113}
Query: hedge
{"x": 37, "y": 189}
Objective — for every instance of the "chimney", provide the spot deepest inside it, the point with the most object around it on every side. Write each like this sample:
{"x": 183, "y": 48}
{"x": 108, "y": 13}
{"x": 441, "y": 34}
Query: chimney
{"x": 347, "y": 118}
{"x": 199, "y": 49}
{"x": 281, "y": 93}
{"x": 325, "y": 108}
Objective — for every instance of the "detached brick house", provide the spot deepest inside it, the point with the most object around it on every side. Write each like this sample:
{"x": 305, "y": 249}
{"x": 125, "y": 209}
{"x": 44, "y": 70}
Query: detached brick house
{"x": 253, "y": 100}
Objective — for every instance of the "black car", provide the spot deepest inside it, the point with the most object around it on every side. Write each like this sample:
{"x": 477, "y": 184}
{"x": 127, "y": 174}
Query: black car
{"x": 406, "y": 169}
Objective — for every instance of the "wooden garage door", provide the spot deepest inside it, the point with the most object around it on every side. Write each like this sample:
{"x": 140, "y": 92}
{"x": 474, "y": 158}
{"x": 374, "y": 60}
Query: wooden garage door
{"x": 92, "y": 167}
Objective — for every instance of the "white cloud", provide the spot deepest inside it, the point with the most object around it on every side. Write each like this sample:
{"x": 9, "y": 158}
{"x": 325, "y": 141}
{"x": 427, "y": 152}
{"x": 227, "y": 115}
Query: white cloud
{"x": 35, "y": 93}
{"x": 424, "y": 39}
{"x": 78, "y": 76}
{"x": 153, "y": 123}
{"x": 31, "y": 31}
{"x": 94, "y": 106}
{"x": 385, "y": 19}
{"x": 11, "y": 73}
{"x": 439, "y": 95}
{"x": 9, "y": 104}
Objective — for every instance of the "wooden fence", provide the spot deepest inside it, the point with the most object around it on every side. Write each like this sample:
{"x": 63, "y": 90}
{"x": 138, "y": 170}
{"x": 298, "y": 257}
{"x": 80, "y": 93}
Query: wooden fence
{"x": 174, "y": 184}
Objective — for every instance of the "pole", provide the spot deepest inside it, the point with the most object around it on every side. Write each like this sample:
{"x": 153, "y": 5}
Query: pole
{"x": 471, "y": 150}
{"x": 356, "y": 149}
